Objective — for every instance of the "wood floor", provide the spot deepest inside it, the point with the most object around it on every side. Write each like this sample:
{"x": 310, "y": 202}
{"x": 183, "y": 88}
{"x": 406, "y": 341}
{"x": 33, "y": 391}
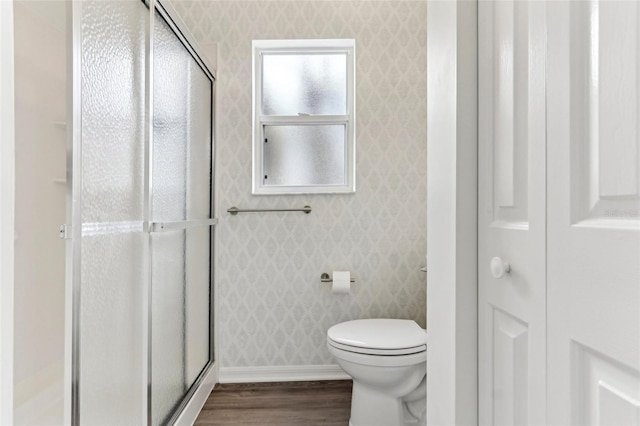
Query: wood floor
{"x": 278, "y": 404}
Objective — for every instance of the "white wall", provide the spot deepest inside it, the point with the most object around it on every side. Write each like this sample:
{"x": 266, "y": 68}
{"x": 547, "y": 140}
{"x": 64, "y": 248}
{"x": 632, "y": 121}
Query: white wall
{"x": 271, "y": 307}
{"x": 40, "y": 203}
{"x": 7, "y": 189}
{"x": 452, "y": 213}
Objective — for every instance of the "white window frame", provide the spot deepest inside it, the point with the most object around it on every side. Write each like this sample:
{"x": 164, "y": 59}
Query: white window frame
{"x": 259, "y": 47}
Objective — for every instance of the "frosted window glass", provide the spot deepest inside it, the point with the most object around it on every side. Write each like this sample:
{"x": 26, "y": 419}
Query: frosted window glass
{"x": 111, "y": 335}
{"x": 304, "y": 83}
{"x": 113, "y": 81}
{"x": 304, "y": 106}
{"x": 304, "y": 155}
{"x": 181, "y": 131}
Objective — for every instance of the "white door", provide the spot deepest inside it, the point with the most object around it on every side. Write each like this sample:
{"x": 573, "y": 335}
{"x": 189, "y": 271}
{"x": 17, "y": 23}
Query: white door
{"x": 593, "y": 239}
{"x": 511, "y": 212}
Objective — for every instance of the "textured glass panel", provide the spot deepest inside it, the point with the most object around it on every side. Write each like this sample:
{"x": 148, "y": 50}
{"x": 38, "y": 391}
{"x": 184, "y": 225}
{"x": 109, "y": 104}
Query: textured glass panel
{"x": 110, "y": 333}
{"x": 171, "y": 64}
{"x": 304, "y": 155}
{"x": 182, "y": 131}
{"x": 168, "y": 326}
{"x": 111, "y": 336}
{"x": 198, "y": 118}
{"x": 113, "y": 80}
{"x": 197, "y": 301}
{"x": 304, "y": 83}
{"x": 181, "y": 318}
{"x": 181, "y": 191}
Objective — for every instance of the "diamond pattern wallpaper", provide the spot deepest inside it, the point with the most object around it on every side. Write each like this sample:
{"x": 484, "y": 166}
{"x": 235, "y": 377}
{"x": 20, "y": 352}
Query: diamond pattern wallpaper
{"x": 271, "y": 307}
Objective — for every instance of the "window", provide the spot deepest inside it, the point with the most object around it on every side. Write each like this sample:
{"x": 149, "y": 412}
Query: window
{"x": 303, "y": 116}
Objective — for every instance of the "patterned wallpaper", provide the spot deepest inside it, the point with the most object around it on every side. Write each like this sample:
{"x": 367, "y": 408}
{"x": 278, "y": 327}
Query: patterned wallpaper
{"x": 272, "y": 309}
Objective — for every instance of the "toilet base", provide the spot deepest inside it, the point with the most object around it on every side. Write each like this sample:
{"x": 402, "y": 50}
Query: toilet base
{"x": 371, "y": 408}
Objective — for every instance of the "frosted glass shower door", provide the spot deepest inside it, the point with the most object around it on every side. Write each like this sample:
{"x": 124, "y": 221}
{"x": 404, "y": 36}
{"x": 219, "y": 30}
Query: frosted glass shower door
{"x": 139, "y": 221}
{"x": 107, "y": 249}
{"x": 182, "y": 108}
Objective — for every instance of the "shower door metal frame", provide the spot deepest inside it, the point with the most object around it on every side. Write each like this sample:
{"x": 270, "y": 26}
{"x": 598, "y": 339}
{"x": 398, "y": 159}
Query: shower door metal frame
{"x": 72, "y": 231}
{"x": 175, "y": 23}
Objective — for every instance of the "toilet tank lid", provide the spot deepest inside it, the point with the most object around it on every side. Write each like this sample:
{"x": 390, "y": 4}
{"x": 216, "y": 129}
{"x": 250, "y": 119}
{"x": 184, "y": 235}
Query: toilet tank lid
{"x": 379, "y": 333}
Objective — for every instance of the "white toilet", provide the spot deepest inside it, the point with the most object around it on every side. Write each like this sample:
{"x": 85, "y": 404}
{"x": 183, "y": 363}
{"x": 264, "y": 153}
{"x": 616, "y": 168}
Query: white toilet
{"x": 387, "y": 360}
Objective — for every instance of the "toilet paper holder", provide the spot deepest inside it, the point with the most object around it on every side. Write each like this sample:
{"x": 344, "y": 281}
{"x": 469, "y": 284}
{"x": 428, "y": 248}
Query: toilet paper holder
{"x": 326, "y": 278}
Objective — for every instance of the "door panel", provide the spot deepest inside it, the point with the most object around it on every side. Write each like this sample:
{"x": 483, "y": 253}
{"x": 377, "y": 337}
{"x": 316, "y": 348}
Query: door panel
{"x": 197, "y": 297}
{"x": 108, "y": 212}
{"x": 181, "y": 191}
{"x": 510, "y": 353}
{"x": 113, "y": 116}
{"x": 512, "y": 212}
{"x": 604, "y": 109}
{"x": 168, "y": 328}
{"x": 509, "y": 48}
{"x": 606, "y": 390}
{"x": 594, "y": 213}
{"x": 111, "y": 365}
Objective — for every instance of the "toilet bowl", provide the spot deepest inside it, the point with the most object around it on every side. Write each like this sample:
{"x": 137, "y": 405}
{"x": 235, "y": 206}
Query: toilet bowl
{"x": 387, "y": 360}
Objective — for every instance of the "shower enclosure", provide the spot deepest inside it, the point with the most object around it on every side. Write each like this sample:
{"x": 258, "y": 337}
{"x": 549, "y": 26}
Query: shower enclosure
{"x": 140, "y": 223}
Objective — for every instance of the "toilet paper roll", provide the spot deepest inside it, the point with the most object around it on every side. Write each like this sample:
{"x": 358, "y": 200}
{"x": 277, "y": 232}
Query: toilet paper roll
{"x": 341, "y": 282}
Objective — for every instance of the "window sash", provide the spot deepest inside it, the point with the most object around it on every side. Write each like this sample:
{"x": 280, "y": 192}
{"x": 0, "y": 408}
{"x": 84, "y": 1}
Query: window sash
{"x": 291, "y": 184}
{"x": 270, "y": 74}
{"x": 260, "y": 120}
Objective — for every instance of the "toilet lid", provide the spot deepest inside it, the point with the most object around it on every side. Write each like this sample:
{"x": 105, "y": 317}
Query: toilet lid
{"x": 394, "y": 335}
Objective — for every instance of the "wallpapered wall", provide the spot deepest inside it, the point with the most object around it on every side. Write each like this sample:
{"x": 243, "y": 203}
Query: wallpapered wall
{"x": 271, "y": 307}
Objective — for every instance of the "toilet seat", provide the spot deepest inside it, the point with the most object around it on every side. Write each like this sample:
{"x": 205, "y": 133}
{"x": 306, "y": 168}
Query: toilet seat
{"x": 372, "y": 360}
{"x": 383, "y": 352}
{"x": 386, "y": 337}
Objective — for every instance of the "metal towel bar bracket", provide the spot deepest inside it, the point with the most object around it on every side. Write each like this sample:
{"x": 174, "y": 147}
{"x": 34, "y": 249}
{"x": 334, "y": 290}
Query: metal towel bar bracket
{"x": 234, "y": 210}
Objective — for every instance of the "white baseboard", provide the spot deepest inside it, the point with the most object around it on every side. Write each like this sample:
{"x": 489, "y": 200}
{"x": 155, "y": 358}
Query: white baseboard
{"x": 285, "y": 373}
{"x": 195, "y": 404}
